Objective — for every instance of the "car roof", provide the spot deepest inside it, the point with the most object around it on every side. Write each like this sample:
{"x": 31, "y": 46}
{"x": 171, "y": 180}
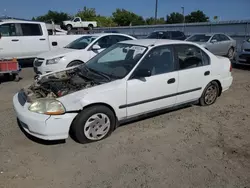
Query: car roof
{"x": 156, "y": 31}
{"x": 209, "y": 34}
{"x": 154, "y": 42}
{"x": 106, "y": 34}
{"x": 3, "y": 21}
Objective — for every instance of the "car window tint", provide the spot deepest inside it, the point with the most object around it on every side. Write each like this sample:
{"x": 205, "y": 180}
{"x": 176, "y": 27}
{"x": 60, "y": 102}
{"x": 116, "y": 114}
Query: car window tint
{"x": 105, "y": 42}
{"x": 77, "y": 20}
{"x": 159, "y": 60}
{"x": 216, "y": 37}
{"x": 31, "y": 29}
{"x": 177, "y": 34}
{"x": 190, "y": 56}
{"x": 223, "y": 37}
{"x": 8, "y": 30}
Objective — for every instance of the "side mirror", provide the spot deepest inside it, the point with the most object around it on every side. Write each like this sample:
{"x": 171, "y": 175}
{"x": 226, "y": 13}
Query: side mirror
{"x": 213, "y": 41}
{"x": 142, "y": 73}
{"x": 96, "y": 47}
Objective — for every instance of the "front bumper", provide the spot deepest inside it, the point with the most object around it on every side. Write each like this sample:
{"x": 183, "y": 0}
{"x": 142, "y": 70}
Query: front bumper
{"x": 243, "y": 58}
{"x": 43, "y": 126}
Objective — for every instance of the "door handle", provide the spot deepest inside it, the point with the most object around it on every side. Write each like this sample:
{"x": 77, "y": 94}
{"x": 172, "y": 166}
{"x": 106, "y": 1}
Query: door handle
{"x": 207, "y": 73}
{"x": 14, "y": 40}
{"x": 171, "y": 81}
{"x": 42, "y": 39}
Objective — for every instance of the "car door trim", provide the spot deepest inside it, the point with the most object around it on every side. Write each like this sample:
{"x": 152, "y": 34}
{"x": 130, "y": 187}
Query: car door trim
{"x": 159, "y": 98}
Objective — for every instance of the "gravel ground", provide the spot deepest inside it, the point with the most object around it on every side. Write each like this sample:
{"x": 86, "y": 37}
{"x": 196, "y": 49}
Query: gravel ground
{"x": 191, "y": 147}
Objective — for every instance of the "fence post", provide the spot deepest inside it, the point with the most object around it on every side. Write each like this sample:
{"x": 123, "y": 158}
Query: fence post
{"x": 246, "y": 31}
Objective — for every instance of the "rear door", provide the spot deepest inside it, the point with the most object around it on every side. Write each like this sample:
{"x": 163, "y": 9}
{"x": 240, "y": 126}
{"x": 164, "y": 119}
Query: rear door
{"x": 33, "y": 40}
{"x": 10, "y": 44}
{"x": 194, "y": 72}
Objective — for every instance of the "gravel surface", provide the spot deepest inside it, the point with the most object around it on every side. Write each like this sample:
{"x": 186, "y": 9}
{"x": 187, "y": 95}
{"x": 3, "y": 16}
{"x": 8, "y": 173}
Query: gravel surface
{"x": 191, "y": 147}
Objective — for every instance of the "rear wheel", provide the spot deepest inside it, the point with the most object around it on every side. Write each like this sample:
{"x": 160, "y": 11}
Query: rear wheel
{"x": 230, "y": 53}
{"x": 210, "y": 94}
{"x": 93, "y": 124}
{"x": 74, "y": 63}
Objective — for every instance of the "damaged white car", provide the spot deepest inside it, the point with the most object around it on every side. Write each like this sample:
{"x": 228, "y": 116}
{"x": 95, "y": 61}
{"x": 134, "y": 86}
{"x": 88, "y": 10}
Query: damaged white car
{"x": 127, "y": 80}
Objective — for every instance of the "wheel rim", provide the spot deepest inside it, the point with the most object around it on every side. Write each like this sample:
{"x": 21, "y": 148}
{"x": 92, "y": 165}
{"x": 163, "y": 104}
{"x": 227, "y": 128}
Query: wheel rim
{"x": 97, "y": 126}
{"x": 211, "y": 94}
{"x": 230, "y": 53}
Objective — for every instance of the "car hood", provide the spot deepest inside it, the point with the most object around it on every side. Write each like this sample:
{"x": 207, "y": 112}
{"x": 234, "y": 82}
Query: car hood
{"x": 55, "y": 53}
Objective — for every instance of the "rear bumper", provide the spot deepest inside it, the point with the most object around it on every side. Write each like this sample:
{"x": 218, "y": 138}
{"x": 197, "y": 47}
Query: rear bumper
{"x": 243, "y": 58}
{"x": 226, "y": 83}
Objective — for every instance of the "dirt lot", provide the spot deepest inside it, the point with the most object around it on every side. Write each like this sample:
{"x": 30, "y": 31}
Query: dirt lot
{"x": 191, "y": 147}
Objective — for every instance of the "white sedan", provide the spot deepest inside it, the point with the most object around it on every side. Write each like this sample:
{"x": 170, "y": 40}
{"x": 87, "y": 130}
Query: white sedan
{"x": 77, "y": 52}
{"x": 129, "y": 79}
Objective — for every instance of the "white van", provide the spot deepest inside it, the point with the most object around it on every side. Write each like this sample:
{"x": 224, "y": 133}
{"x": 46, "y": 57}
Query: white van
{"x": 27, "y": 39}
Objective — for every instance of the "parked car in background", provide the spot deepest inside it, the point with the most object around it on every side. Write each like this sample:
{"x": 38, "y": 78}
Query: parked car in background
{"x": 77, "y": 52}
{"x": 129, "y": 79}
{"x": 27, "y": 39}
{"x": 77, "y": 22}
{"x": 243, "y": 56}
{"x": 174, "y": 35}
{"x": 111, "y": 31}
{"x": 217, "y": 43}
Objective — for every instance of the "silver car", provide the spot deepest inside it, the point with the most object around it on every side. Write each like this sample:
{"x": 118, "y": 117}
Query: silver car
{"x": 243, "y": 56}
{"x": 217, "y": 43}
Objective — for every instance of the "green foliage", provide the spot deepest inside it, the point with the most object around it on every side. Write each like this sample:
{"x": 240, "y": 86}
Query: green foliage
{"x": 151, "y": 21}
{"x": 196, "y": 16}
{"x": 174, "y": 18}
{"x": 123, "y": 17}
{"x": 57, "y": 17}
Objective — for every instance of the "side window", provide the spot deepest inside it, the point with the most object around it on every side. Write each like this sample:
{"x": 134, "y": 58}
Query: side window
{"x": 224, "y": 37}
{"x": 190, "y": 56}
{"x": 77, "y": 20}
{"x": 104, "y": 42}
{"x": 7, "y": 30}
{"x": 216, "y": 37}
{"x": 119, "y": 38}
{"x": 31, "y": 30}
{"x": 176, "y": 34}
{"x": 166, "y": 35}
{"x": 159, "y": 60}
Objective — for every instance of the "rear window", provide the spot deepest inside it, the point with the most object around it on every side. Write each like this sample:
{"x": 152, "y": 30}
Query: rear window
{"x": 177, "y": 34}
{"x": 31, "y": 30}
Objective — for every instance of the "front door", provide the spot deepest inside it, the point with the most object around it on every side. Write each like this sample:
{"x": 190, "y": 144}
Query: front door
{"x": 194, "y": 72}
{"x": 157, "y": 91}
{"x": 10, "y": 46}
{"x": 215, "y": 45}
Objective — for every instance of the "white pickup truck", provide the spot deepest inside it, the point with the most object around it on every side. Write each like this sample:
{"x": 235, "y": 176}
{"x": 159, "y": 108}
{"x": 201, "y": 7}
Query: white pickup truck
{"x": 77, "y": 22}
{"x": 27, "y": 39}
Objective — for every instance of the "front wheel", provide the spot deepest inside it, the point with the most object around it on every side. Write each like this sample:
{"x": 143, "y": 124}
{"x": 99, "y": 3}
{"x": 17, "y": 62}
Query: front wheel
{"x": 230, "y": 53}
{"x": 93, "y": 124}
{"x": 69, "y": 27}
{"x": 210, "y": 94}
{"x": 90, "y": 27}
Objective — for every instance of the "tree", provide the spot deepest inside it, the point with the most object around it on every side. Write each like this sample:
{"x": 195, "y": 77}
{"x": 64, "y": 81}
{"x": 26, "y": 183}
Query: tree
{"x": 151, "y": 21}
{"x": 87, "y": 14}
{"x": 57, "y": 17}
{"x": 103, "y": 21}
{"x": 196, "y": 16}
{"x": 175, "y": 17}
{"x": 123, "y": 17}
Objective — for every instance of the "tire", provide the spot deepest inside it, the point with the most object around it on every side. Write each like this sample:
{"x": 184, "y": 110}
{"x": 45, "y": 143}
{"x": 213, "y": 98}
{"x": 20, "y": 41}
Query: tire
{"x": 212, "y": 89}
{"x": 74, "y": 63}
{"x": 85, "y": 132}
{"x": 230, "y": 53}
{"x": 90, "y": 27}
{"x": 69, "y": 27}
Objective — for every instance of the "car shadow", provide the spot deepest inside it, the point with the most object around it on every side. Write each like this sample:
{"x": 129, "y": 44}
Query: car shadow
{"x": 241, "y": 67}
{"x": 37, "y": 140}
{"x": 4, "y": 79}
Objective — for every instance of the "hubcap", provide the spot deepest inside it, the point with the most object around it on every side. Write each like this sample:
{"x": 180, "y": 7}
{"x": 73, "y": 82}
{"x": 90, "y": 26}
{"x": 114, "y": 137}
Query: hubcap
{"x": 97, "y": 126}
{"x": 211, "y": 94}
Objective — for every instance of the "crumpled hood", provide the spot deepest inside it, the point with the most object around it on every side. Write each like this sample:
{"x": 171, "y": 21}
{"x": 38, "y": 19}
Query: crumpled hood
{"x": 55, "y": 53}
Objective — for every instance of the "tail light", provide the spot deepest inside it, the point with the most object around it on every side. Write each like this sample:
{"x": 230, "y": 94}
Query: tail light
{"x": 231, "y": 68}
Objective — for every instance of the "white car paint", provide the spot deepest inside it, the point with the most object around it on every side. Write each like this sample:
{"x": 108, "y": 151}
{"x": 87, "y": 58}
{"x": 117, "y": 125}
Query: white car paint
{"x": 20, "y": 46}
{"x": 70, "y": 55}
{"x": 77, "y": 22}
{"x": 124, "y": 95}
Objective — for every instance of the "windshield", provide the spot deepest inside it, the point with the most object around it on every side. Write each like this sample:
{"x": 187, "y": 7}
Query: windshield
{"x": 81, "y": 43}
{"x": 116, "y": 61}
{"x": 199, "y": 38}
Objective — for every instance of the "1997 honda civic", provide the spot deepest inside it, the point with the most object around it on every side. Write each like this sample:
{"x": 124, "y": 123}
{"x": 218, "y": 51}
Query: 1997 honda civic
{"x": 127, "y": 80}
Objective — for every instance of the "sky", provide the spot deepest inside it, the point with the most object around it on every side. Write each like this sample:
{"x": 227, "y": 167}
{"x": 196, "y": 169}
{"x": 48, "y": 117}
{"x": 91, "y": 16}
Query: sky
{"x": 225, "y": 9}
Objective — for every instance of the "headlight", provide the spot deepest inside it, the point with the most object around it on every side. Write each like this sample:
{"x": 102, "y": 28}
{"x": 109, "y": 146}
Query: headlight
{"x": 53, "y": 61}
{"x": 47, "y": 106}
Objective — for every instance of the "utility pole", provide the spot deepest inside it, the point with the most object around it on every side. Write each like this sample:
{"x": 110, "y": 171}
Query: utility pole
{"x": 183, "y": 14}
{"x": 156, "y": 10}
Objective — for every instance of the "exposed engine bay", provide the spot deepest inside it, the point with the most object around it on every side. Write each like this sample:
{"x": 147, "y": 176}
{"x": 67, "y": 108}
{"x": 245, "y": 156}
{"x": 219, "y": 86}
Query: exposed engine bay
{"x": 59, "y": 84}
